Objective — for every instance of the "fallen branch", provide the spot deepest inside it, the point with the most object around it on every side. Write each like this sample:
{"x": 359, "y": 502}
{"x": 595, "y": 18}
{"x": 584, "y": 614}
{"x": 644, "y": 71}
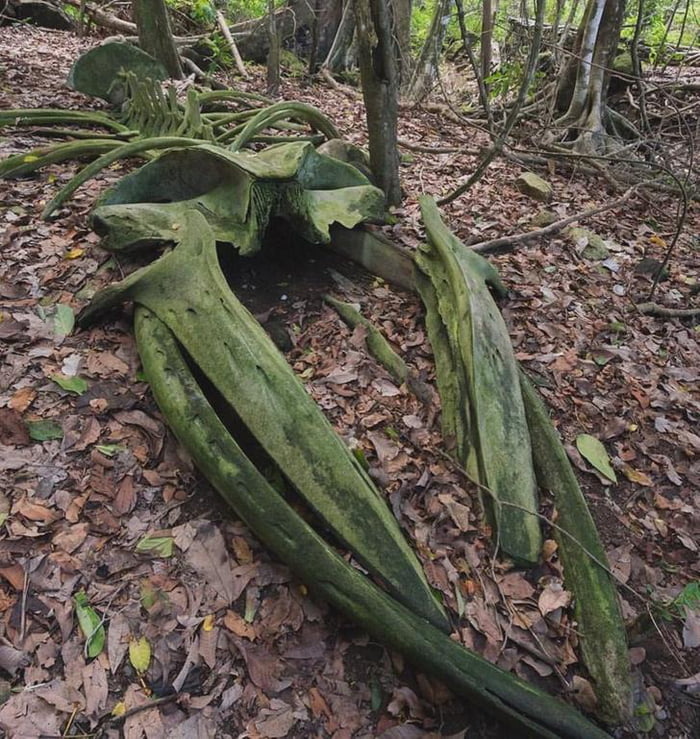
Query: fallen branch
{"x": 507, "y": 243}
{"x": 436, "y": 150}
{"x": 654, "y": 309}
{"x": 106, "y": 20}
{"x": 221, "y": 21}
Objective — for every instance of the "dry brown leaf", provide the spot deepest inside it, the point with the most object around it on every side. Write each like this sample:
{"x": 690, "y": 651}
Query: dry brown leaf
{"x": 118, "y": 636}
{"x": 208, "y": 639}
{"x": 125, "y": 498}
{"x": 71, "y": 537}
{"x": 13, "y": 431}
{"x": 691, "y": 628}
{"x": 239, "y": 626}
{"x": 583, "y": 694}
{"x": 620, "y": 561}
{"x": 552, "y": 597}
{"x": 14, "y": 574}
{"x": 22, "y": 399}
{"x": 34, "y": 511}
{"x": 514, "y": 585}
{"x": 12, "y": 660}
{"x": 264, "y": 668}
{"x": 208, "y": 556}
{"x": 96, "y": 689}
{"x": 276, "y": 721}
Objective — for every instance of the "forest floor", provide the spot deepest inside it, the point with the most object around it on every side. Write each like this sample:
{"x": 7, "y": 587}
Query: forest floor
{"x": 90, "y": 476}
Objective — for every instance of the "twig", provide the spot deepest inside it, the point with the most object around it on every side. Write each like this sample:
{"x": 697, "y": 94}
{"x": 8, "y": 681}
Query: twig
{"x": 436, "y": 150}
{"x": 507, "y": 243}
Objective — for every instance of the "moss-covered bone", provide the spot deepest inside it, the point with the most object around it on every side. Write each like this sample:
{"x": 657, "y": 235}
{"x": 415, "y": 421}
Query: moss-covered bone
{"x": 96, "y": 72}
{"x": 238, "y": 193}
{"x": 479, "y": 384}
{"x": 529, "y": 711}
{"x": 188, "y": 292}
{"x": 601, "y": 629}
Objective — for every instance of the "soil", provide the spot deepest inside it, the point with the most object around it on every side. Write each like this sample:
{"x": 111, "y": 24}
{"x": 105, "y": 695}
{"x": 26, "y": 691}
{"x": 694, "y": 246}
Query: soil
{"x": 248, "y": 653}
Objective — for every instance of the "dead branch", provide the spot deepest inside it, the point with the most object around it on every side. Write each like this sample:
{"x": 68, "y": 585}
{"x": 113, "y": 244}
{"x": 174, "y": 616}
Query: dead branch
{"x": 654, "y": 309}
{"x": 221, "y": 21}
{"x": 106, "y": 20}
{"x": 437, "y": 150}
{"x": 507, "y": 243}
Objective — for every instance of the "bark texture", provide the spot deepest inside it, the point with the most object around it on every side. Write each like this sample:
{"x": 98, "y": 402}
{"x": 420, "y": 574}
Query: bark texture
{"x": 378, "y": 69}
{"x": 155, "y": 35}
{"x": 583, "y": 84}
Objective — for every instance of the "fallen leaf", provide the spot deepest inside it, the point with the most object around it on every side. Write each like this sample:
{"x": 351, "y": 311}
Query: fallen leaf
{"x": 156, "y": 546}
{"x": 691, "y": 628}
{"x": 140, "y": 654}
{"x": 552, "y": 597}
{"x": 22, "y": 399}
{"x": 691, "y": 685}
{"x": 239, "y": 626}
{"x": 63, "y": 320}
{"x": 76, "y": 385}
{"x": 117, "y": 640}
{"x": 90, "y": 625}
{"x": 636, "y": 476}
{"x": 583, "y": 693}
{"x": 208, "y": 556}
{"x": 44, "y": 430}
{"x": 13, "y": 432}
{"x": 593, "y": 451}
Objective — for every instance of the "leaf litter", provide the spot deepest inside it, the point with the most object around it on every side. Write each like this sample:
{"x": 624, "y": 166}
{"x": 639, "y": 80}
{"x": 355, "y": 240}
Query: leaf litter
{"x": 90, "y": 473}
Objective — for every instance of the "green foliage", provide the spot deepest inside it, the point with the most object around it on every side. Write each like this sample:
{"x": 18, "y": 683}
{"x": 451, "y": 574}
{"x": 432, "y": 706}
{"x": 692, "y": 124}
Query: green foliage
{"x": 504, "y": 79}
{"x": 421, "y": 17}
{"x": 199, "y": 12}
{"x": 243, "y": 9}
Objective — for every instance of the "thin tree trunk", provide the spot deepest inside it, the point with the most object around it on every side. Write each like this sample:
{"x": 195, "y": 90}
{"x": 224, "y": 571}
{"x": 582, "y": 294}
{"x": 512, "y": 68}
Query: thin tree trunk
{"x": 402, "y": 34}
{"x": 336, "y": 58}
{"x": 380, "y": 91}
{"x": 486, "y": 39}
{"x": 597, "y": 45}
{"x": 155, "y": 35}
{"x": 314, "y": 38}
{"x": 425, "y": 70}
{"x": 273, "y": 55}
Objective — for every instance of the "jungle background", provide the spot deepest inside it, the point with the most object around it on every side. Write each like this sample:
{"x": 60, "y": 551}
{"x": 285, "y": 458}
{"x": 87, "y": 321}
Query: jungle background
{"x": 95, "y": 493}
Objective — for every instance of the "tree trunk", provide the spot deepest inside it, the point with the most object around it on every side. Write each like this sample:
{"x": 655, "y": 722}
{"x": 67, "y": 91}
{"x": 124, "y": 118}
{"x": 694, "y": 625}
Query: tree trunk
{"x": 487, "y": 14}
{"x": 426, "y": 68}
{"x": 340, "y": 56}
{"x": 380, "y": 91}
{"x": 155, "y": 36}
{"x": 583, "y": 83}
{"x": 295, "y": 28}
{"x": 402, "y": 38}
{"x": 273, "y": 54}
